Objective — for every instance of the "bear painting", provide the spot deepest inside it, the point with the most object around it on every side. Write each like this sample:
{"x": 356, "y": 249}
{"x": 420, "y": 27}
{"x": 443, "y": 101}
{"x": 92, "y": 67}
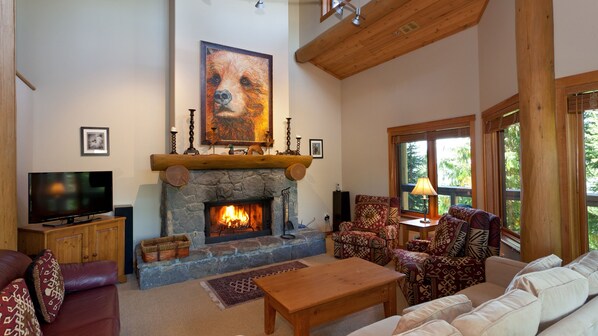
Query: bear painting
{"x": 236, "y": 94}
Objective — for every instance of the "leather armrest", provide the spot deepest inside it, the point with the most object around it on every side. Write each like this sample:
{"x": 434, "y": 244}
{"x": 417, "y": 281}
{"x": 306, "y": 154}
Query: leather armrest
{"x": 500, "y": 271}
{"x": 82, "y": 276}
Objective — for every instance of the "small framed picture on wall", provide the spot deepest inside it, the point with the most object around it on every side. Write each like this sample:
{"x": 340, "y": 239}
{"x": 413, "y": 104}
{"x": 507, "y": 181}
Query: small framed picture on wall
{"x": 95, "y": 141}
{"x": 316, "y": 148}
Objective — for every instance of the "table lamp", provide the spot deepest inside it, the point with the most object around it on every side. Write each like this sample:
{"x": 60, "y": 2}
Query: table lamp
{"x": 424, "y": 187}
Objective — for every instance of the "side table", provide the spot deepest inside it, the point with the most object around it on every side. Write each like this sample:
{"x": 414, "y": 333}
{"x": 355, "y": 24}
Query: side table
{"x": 417, "y": 226}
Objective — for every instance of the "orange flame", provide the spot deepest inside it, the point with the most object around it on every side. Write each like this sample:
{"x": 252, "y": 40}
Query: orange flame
{"x": 233, "y": 217}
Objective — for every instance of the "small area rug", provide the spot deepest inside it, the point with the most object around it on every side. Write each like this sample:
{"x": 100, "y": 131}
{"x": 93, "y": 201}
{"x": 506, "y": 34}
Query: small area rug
{"x": 231, "y": 290}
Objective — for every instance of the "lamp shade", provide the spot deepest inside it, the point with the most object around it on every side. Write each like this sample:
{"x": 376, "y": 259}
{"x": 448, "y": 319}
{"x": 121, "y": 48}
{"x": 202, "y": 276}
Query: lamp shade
{"x": 423, "y": 187}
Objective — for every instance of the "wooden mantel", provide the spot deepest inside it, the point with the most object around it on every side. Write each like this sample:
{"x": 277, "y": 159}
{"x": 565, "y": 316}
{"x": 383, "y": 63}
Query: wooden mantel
{"x": 216, "y": 161}
{"x": 174, "y": 168}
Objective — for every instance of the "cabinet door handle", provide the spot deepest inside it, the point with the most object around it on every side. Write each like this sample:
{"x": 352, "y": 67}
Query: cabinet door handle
{"x": 95, "y": 255}
{"x": 85, "y": 257}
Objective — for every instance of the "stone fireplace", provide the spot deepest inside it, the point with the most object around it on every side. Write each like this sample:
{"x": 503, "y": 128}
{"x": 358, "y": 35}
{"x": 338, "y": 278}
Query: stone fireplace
{"x": 233, "y": 220}
{"x": 186, "y": 209}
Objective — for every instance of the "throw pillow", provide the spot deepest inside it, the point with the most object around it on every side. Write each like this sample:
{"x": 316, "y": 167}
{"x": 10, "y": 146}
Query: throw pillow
{"x": 559, "y": 289}
{"x": 46, "y": 284}
{"x": 587, "y": 265}
{"x": 435, "y": 327}
{"x": 539, "y": 264}
{"x": 446, "y": 308}
{"x": 371, "y": 212}
{"x": 17, "y": 315}
{"x": 514, "y": 313}
{"x": 449, "y": 237}
{"x": 394, "y": 212}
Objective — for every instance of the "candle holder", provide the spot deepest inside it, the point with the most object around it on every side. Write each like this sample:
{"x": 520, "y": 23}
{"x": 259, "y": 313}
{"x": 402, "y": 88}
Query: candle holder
{"x": 269, "y": 141}
{"x": 191, "y": 150}
{"x": 173, "y": 142}
{"x": 213, "y": 140}
{"x": 289, "y": 151}
{"x": 298, "y": 144}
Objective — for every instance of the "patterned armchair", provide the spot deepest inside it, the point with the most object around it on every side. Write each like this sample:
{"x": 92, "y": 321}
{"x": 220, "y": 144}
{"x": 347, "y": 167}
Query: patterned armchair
{"x": 373, "y": 234}
{"x": 453, "y": 260}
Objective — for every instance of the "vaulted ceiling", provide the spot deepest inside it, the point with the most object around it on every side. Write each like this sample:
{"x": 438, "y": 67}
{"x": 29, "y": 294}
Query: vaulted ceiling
{"x": 391, "y": 28}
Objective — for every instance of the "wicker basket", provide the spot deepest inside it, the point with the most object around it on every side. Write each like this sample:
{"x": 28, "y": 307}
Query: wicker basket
{"x": 165, "y": 248}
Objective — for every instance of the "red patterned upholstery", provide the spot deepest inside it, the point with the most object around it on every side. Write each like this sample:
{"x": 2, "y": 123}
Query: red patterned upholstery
{"x": 46, "y": 285}
{"x": 373, "y": 234}
{"x": 432, "y": 276}
{"x": 17, "y": 315}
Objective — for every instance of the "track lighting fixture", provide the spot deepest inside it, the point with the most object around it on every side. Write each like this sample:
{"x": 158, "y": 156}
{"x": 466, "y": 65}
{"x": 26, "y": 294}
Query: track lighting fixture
{"x": 340, "y": 6}
{"x": 259, "y": 4}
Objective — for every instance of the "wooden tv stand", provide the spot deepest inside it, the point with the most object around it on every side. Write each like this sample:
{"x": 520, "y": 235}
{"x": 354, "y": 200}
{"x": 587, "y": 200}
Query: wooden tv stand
{"x": 102, "y": 239}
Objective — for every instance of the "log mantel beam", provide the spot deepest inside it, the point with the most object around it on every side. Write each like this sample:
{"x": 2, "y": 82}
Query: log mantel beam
{"x": 161, "y": 162}
{"x": 372, "y": 11}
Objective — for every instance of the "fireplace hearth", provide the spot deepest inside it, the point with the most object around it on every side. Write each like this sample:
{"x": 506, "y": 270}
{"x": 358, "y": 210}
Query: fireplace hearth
{"x": 233, "y": 220}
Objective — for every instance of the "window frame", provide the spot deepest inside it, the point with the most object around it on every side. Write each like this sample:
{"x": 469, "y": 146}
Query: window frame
{"x": 494, "y": 120}
{"x": 418, "y": 131}
{"x": 327, "y": 9}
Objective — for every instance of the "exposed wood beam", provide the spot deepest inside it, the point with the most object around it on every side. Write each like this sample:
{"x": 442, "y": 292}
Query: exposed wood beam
{"x": 540, "y": 213}
{"x": 8, "y": 139}
{"x": 372, "y": 11}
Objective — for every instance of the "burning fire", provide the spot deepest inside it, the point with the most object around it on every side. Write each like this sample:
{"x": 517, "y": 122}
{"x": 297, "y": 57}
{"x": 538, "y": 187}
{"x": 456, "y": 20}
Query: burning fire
{"x": 234, "y": 217}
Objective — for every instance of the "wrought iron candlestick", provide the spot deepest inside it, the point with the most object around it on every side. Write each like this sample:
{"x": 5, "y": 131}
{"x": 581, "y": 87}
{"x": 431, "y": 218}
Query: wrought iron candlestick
{"x": 298, "y": 144}
{"x": 288, "y": 135}
{"x": 173, "y": 133}
{"x": 191, "y": 150}
{"x": 213, "y": 140}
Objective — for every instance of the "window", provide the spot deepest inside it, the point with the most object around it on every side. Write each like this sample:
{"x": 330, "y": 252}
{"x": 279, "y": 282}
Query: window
{"x": 441, "y": 150}
{"x": 584, "y": 107}
{"x": 329, "y": 7}
{"x": 502, "y": 163}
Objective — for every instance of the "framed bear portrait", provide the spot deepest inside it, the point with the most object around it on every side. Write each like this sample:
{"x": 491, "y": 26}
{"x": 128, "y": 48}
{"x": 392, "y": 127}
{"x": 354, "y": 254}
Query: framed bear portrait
{"x": 236, "y": 95}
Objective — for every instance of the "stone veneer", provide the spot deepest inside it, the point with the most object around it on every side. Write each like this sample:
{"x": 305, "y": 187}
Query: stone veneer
{"x": 182, "y": 208}
{"x": 182, "y": 212}
{"x": 229, "y": 256}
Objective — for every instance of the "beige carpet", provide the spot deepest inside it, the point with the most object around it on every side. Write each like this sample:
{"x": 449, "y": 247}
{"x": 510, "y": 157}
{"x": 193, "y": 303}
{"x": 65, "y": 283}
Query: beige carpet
{"x": 186, "y": 309}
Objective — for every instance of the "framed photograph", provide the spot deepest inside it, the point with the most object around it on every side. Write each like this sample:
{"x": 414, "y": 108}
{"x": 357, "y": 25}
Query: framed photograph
{"x": 95, "y": 141}
{"x": 316, "y": 148}
{"x": 236, "y": 95}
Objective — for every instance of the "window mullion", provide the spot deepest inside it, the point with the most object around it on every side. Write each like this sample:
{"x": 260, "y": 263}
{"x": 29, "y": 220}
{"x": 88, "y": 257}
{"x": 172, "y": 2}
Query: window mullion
{"x": 433, "y": 176}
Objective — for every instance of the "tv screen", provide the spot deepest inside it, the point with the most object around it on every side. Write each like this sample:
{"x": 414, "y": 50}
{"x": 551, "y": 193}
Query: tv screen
{"x": 67, "y": 195}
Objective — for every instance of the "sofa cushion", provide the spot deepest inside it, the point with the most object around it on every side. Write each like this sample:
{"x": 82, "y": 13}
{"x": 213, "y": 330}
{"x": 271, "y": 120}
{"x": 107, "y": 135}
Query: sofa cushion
{"x": 583, "y": 321}
{"x": 559, "y": 289}
{"x": 482, "y": 292}
{"x": 13, "y": 265}
{"x": 445, "y": 308}
{"x": 539, "y": 264}
{"x": 88, "y": 312}
{"x": 371, "y": 212}
{"x": 514, "y": 313}
{"x": 449, "y": 236}
{"x": 587, "y": 265}
{"x": 434, "y": 327}
{"x": 17, "y": 314}
{"x": 46, "y": 284}
{"x": 382, "y": 327}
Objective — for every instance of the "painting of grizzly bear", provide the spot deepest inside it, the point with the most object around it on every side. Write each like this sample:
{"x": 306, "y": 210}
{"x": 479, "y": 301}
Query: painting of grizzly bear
{"x": 236, "y": 92}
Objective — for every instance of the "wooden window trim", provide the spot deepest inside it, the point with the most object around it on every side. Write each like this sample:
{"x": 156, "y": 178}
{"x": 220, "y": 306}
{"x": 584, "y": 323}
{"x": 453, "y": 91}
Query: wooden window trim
{"x": 327, "y": 10}
{"x": 416, "y": 131}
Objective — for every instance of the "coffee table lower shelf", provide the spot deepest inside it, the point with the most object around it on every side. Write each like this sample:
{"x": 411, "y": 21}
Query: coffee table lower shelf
{"x": 311, "y": 296}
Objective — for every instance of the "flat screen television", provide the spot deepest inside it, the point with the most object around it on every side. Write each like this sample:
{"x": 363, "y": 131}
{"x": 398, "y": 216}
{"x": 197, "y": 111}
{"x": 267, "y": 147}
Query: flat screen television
{"x": 67, "y": 196}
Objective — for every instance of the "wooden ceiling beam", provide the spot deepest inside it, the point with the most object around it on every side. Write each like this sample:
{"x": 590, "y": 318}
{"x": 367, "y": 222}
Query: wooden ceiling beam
{"x": 372, "y": 12}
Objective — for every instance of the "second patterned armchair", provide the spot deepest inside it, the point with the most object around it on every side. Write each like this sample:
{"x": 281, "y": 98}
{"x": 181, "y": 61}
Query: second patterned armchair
{"x": 453, "y": 260}
{"x": 374, "y": 232}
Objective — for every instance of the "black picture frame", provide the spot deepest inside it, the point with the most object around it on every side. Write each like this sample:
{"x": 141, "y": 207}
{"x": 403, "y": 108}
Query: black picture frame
{"x": 316, "y": 148}
{"x": 95, "y": 141}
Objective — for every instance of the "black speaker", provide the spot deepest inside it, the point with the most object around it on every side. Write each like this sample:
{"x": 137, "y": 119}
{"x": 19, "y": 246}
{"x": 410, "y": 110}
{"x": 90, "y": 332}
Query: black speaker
{"x": 127, "y": 212}
{"x": 341, "y": 208}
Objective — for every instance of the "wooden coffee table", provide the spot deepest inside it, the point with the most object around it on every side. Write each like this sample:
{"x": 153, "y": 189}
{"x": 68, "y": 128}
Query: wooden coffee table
{"x": 313, "y": 295}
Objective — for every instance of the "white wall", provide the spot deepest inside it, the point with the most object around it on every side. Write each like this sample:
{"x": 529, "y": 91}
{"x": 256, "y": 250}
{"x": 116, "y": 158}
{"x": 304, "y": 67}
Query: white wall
{"x": 435, "y": 82}
{"x": 98, "y": 63}
{"x": 315, "y": 106}
{"x": 25, "y": 98}
{"x": 575, "y": 37}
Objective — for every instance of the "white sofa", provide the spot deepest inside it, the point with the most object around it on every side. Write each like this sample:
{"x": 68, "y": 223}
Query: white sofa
{"x": 538, "y": 298}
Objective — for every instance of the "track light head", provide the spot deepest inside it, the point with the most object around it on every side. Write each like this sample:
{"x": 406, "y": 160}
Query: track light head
{"x": 259, "y": 4}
